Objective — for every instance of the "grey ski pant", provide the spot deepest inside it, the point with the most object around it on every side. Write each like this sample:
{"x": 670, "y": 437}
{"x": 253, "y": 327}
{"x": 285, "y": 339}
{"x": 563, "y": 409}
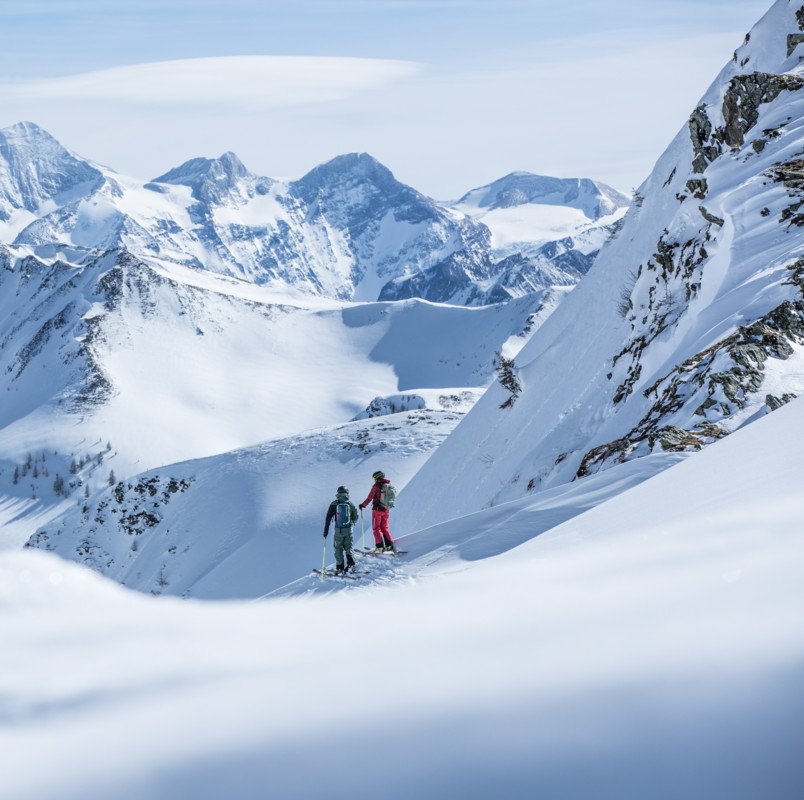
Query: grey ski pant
{"x": 343, "y": 544}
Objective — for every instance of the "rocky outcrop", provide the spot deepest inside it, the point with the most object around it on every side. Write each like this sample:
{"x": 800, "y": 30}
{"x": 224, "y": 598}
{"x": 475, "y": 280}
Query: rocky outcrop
{"x": 746, "y": 93}
{"x": 741, "y": 103}
{"x": 791, "y": 174}
{"x": 716, "y": 383}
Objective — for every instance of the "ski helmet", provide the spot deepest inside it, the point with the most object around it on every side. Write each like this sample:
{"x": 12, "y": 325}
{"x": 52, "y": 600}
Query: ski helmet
{"x": 342, "y": 490}
{"x": 378, "y": 474}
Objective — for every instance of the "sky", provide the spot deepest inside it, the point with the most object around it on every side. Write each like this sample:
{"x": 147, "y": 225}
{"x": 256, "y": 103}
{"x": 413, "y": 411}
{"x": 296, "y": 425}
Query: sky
{"x": 450, "y": 94}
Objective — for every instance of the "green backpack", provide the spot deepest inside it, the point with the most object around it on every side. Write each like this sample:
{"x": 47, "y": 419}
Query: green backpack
{"x": 387, "y": 496}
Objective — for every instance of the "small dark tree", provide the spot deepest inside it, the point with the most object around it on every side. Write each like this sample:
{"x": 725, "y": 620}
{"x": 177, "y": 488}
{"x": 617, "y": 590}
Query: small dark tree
{"x": 73, "y": 467}
{"x": 16, "y": 479}
{"x": 86, "y": 490}
{"x": 99, "y": 459}
{"x": 108, "y": 446}
{"x": 35, "y": 472}
{"x": 112, "y": 479}
{"x": 58, "y": 485}
{"x": 506, "y": 374}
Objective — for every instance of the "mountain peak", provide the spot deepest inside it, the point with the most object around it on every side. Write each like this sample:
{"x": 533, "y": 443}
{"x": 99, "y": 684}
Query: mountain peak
{"x": 35, "y": 167}
{"x": 30, "y": 141}
{"x": 24, "y": 129}
{"x": 209, "y": 178}
{"x": 348, "y": 167}
{"x": 593, "y": 198}
{"x": 196, "y": 170}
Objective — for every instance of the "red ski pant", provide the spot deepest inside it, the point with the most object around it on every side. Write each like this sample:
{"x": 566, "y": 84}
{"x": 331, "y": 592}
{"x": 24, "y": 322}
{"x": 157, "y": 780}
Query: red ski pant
{"x": 379, "y": 524}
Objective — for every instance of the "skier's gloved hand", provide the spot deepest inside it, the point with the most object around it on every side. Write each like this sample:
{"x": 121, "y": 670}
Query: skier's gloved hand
{"x": 325, "y": 534}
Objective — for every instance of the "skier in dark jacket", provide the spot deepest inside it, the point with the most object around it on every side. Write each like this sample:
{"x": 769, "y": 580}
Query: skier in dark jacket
{"x": 379, "y": 513}
{"x": 344, "y": 514}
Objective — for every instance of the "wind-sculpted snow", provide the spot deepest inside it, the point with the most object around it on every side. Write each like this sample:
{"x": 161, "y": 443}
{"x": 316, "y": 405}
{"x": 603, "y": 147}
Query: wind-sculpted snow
{"x": 691, "y": 321}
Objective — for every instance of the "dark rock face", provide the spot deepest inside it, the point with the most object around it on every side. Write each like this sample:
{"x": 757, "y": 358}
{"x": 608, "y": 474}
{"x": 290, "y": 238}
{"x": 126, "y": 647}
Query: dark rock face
{"x": 793, "y": 41}
{"x": 745, "y": 95}
{"x": 791, "y": 174}
{"x": 700, "y": 133}
{"x": 454, "y": 276}
{"x": 774, "y": 403}
{"x": 741, "y": 103}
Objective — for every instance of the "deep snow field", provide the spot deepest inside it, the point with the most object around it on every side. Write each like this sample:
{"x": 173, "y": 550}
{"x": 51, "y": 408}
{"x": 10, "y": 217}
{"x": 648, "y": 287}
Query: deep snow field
{"x": 644, "y": 648}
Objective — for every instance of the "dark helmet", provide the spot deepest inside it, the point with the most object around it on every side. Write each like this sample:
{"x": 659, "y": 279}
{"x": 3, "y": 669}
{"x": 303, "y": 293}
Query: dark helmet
{"x": 342, "y": 490}
{"x": 378, "y": 474}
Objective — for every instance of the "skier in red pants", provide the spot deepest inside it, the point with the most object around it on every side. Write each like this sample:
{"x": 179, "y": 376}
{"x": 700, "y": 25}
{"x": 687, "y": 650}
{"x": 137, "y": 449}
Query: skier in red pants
{"x": 381, "y": 497}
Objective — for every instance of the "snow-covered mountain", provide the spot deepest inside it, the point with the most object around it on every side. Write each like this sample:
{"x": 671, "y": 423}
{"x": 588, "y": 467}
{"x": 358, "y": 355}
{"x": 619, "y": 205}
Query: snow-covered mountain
{"x": 523, "y": 207}
{"x": 348, "y": 229}
{"x": 170, "y": 364}
{"x": 37, "y": 176}
{"x": 689, "y": 325}
{"x": 556, "y": 226}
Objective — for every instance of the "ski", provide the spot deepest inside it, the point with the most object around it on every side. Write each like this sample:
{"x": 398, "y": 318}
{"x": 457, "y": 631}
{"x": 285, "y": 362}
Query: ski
{"x": 330, "y": 573}
{"x": 363, "y": 552}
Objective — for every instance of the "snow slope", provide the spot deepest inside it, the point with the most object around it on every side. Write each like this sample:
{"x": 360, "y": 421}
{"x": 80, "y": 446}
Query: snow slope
{"x": 650, "y": 647}
{"x": 243, "y": 523}
{"x": 169, "y": 365}
{"x": 691, "y": 321}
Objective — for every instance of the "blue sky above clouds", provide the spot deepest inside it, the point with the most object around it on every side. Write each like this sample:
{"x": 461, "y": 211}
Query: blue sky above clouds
{"x": 448, "y": 93}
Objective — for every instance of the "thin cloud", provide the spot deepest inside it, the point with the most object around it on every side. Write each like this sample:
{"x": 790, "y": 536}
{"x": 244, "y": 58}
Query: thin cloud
{"x": 250, "y": 82}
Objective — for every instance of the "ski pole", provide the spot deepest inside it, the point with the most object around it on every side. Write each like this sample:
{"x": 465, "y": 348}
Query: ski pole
{"x": 323, "y": 559}
{"x": 363, "y": 527}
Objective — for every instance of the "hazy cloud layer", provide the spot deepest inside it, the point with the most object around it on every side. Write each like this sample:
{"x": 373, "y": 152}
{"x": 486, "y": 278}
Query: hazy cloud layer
{"x": 449, "y": 93}
{"x": 240, "y": 82}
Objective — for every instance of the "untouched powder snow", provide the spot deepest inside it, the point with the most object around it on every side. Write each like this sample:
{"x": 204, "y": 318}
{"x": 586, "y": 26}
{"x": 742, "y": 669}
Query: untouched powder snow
{"x": 651, "y": 647}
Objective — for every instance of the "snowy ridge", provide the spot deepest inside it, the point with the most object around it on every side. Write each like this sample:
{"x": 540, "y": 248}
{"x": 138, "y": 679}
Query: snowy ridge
{"x": 692, "y": 314}
{"x": 347, "y": 230}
